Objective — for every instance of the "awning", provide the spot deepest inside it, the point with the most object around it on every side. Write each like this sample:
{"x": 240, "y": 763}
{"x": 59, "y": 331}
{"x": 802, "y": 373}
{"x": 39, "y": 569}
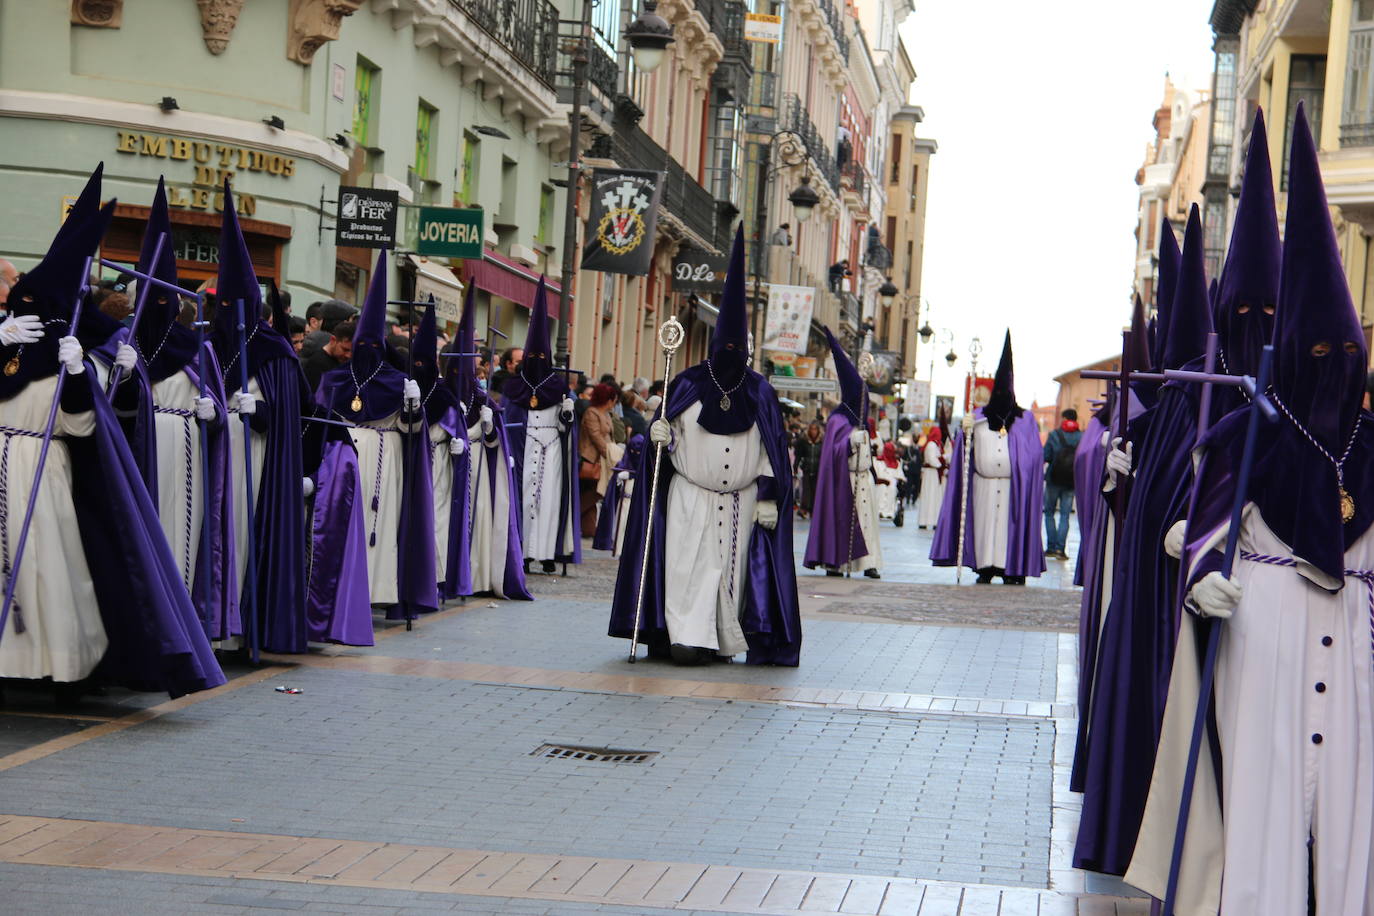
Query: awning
{"x": 707, "y": 313}
{"x": 509, "y": 279}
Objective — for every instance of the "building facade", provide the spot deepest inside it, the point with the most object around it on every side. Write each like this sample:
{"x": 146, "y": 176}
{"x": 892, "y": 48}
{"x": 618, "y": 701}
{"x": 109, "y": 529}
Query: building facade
{"x": 908, "y": 179}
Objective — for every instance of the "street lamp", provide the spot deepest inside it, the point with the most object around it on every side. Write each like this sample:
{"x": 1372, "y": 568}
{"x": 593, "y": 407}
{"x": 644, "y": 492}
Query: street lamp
{"x": 649, "y": 36}
{"x": 887, "y": 292}
{"x": 803, "y": 199}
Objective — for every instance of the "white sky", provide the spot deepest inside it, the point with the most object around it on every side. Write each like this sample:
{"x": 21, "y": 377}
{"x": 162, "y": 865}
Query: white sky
{"x": 1042, "y": 112}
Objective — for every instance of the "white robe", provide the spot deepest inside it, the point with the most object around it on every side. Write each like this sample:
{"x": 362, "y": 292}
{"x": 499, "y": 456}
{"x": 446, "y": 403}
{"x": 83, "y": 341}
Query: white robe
{"x": 259, "y": 446}
{"x": 932, "y": 487}
{"x": 1279, "y": 783}
{"x": 991, "y": 496}
{"x": 542, "y": 477}
{"x": 709, "y": 518}
{"x": 622, "y": 514}
{"x": 489, "y": 506}
{"x": 54, "y": 596}
{"x": 381, "y": 465}
{"x": 887, "y": 493}
{"x": 180, "y": 467}
{"x": 441, "y": 466}
{"x": 865, "y": 503}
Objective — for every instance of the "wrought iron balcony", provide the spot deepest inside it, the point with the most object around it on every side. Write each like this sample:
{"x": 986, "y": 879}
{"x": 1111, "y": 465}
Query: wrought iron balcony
{"x": 795, "y": 118}
{"x": 852, "y": 177}
{"x": 602, "y": 70}
{"x": 528, "y": 29}
{"x": 682, "y": 196}
{"x": 1359, "y": 133}
{"x": 836, "y": 19}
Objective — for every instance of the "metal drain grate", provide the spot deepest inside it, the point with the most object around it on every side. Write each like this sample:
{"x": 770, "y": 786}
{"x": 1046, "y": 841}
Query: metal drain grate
{"x": 592, "y": 754}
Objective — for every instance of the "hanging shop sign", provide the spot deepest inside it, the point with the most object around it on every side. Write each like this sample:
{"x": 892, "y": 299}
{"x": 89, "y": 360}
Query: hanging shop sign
{"x": 624, "y": 216}
{"x": 762, "y": 27}
{"x": 697, "y": 271}
{"x": 366, "y": 218}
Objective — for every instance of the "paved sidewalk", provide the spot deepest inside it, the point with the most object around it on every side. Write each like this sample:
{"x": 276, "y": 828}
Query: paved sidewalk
{"x": 906, "y": 767}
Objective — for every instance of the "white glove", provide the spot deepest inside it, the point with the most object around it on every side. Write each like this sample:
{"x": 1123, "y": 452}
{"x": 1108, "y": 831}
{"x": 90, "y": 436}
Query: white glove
{"x": 245, "y": 403}
{"x": 660, "y": 433}
{"x": 126, "y": 357}
{"x": 1119, "y": 459}
{"x": 21, "y": 329}
{"x": 766, "y": 514}
{"x": 567, "y": 405}
{"x": 457, "y": 445}
{"x": 858, "y": 439}
{"x": 70, "y": 355}
{"x": 307, "y": 487}
{"x": 623, "y": 476}
{"x": 1106, "y": 437}
{"x": 411, "y": 394}
{"x": 1214, "y": 596}
{"x": 205, "y": 409}
{"x": 1173, "y": 539}
{"x": 487, "y": 419}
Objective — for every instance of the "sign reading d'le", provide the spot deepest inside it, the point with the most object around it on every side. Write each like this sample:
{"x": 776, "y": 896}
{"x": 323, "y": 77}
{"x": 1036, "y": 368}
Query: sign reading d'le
{"x": 449, "y": 232}
{"x": 366, "y": 218}
{"x": 697, "y": 271}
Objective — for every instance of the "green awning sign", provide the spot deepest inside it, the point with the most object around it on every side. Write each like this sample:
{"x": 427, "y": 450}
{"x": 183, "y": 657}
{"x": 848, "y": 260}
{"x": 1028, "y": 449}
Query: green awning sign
{"x": 449, "y": 232}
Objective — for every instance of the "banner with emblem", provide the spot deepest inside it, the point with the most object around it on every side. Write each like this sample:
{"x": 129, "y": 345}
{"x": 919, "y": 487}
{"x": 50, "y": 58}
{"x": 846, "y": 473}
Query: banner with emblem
{"x": 624, "y": 214}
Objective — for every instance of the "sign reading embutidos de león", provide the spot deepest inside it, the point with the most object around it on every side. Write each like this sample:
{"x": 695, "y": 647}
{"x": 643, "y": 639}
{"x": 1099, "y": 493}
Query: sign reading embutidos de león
{"x": 366, "y": 218}
{"x": 620, "y": 233}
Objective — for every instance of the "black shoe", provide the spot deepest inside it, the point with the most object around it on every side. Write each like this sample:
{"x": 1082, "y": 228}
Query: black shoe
{"x": 527, "y": 565}
{"x": 983, "y": 579}
{"x": 1013, "y": 580}
{"x": 834, "y": 572}
{"x": 872, "y": 574}
{"x": 548, "y": 565}
{"x": 689, "y": 655}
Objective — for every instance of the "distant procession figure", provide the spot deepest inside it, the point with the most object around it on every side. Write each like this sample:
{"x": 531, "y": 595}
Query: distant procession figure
{"x": 724, "y": 506}
{"x": 545, "y": 444}
{"x": 934, "y": 468}
{"x": 844, "y": 521}
{"x": 1006, "y": 493}
{"x": 889, "y": 474}
{"x": 615, "y": 508}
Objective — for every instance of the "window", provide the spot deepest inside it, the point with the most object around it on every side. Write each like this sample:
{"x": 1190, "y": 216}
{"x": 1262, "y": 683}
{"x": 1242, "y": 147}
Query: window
{"x": 545, "y": 234}
{"x": 915, "y": 176}
{"x": 1357, "y": 108}
{"x": 892, "y": 233}
{"x": 1223, "y": 110}
{"x": 1150, "y": 224}
{"x": 471, "y": 160}
{"x": 424, "y": 128}
{"x": 896, "y": 159}
{"x": 364, "y": 104}
{"x": 1306, "y": 84}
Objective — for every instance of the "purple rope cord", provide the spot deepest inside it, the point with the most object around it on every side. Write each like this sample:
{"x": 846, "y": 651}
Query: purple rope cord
{"x": 1364, "y": 575}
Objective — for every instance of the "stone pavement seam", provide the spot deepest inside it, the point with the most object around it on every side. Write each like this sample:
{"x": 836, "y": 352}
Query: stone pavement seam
{"x": 679, "y": 886}
{"x": 111, "y": 726}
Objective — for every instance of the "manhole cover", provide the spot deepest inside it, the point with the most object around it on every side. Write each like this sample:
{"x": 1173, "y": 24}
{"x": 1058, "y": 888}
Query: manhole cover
{"x": 592, "y": 754}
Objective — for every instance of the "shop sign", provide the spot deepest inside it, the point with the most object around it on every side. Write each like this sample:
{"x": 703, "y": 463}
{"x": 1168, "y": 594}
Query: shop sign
{"x": 697, "y": 271}
{"x": 791, "y": 383}
{"x": 209, "y": 164}
{"x": 449, "y": 232}
{"x": 366, "y": 218}
{"x": 762, "y": 27}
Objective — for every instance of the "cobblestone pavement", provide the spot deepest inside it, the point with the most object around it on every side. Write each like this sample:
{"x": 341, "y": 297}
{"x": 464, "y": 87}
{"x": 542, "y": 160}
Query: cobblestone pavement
{"x": 914, "y": 763}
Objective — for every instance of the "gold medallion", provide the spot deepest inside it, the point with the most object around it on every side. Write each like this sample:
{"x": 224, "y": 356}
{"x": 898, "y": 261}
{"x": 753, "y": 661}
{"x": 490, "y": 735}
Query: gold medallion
{"x": 1002, "y": 432}
{"x": 534, "y": 400}
{"x": 357, "y": 404}
{"x": 12, "y": 366}
{"x": 1347, "y": 506}
{"x": 725, "y": 402}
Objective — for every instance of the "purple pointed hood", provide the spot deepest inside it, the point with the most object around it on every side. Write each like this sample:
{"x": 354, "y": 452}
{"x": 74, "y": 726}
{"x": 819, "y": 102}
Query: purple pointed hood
{"x": 237, "y": 280}
{"x": 368, "y": 375}
{"x": 166, "y": 346}
{"x": 724, "y": 377}
{"x": 1249, "y": 286}
{"x": 731, "y": 335}
{"x": 1002, "y": 409}
{"x": 1190, "y": 319}
{"x": 1320, "y": 359}
{"x": 853, "y": 391}
{"x": 536, "y": 384}
{"x": 1166, "y": 282}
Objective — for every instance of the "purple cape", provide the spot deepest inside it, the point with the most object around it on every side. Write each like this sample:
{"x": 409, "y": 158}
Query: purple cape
{"x": 156, "y": 640}
{"x": 770, "y": 617}
{"x": 415, "y": 561}
{"x": 1089, "y": 461}
{"x": 1025, "y": 555}
{"x": 337, "y": 606}
{"x": 569, "y": 499}
{"x": 1136, "y": 649}
{"x": 458, "y": 570}
{"x": 610, "y": 504}
{"x": 835, "y": 537}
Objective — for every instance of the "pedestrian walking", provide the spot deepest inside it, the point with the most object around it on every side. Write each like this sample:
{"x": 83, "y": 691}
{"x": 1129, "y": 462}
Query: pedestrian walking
{"x": 1060, "y": 451}
{"x": 806, "y": 464}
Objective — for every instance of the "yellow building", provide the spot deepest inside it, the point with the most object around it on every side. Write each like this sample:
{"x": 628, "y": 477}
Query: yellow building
{"x": 895, "y": 327}
{"x": 1320, "y": 52}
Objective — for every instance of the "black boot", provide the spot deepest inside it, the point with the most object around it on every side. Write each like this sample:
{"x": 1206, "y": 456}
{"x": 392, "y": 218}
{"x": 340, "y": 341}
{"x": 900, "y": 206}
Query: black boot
{"x": 549, "y": 566}
{"x": 872, "y": 573}
{"x": 834, "y": 572}
{"x": 686, "y": 655}
{"x": 985, "y": 575}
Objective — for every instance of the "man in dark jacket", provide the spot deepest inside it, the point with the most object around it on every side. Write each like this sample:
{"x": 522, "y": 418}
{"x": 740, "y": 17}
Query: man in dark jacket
{"x": 1059, "y": 454}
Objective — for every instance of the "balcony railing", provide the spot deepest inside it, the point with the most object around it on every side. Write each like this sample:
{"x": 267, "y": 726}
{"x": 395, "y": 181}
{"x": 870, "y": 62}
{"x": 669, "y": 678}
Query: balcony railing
{"x": 602, "y": 70}
{"x": 632, "y": 148}
{"x": 852, "y": 176}
{"x": 528, "y": 29}
{"x": 726, "y": 19}
{"x": 795, "y": 118}
{"x": 836, "y": 19}
{"x": 1359, "y": 133}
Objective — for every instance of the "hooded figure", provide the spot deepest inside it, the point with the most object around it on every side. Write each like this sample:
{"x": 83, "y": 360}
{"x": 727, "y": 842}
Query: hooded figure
{"x": 384, "y": 405}
{"x": 1294, "y": 728}
{"x": 436, "y": 399}
{"x": 116, "y": 599}
{"x": 844, "y": 514}
{"x": 1006, "y": 494}
{"x": 484, "y": 554}
{"x": 273, "y": 400}
{"x": 934, "y": 467}
{"x": 724, "y": 504}
{"x": 1136, "y": 648}
{"x": 544, "y": 443}
{"x": 615, "y": 508}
